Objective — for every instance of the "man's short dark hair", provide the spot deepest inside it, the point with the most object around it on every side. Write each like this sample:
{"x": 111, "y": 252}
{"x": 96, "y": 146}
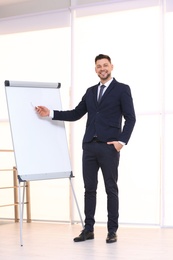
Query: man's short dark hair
{"x": 102, "y": 56}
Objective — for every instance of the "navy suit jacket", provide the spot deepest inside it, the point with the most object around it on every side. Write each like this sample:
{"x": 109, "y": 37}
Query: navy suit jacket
{"x": 104, "y": 119}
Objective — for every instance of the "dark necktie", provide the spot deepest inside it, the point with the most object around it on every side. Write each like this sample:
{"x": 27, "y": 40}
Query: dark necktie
{"x": 101, "y": 92}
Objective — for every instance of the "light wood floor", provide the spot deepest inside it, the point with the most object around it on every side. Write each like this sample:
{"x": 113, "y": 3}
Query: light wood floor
{"x": 55, "y": 241}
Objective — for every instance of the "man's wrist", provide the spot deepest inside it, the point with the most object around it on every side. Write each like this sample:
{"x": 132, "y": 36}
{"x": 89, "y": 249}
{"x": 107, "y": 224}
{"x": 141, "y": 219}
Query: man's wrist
{"x": 121, "y": 143}
{"x": 51, "y": 114}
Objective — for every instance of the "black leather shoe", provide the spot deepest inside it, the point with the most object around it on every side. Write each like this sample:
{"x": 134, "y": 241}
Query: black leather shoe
{"x": 111, "y": 237}
{"x": 85, "y": 235}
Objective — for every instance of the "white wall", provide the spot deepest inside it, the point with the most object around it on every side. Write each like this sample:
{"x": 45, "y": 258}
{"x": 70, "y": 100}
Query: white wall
{"x": 27, "y": 7}
{"x": 141, "y": 51}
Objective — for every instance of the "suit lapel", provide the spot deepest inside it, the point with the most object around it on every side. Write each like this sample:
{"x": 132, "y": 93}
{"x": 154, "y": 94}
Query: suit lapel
{"x": 109, "y": 89}
{"x": 95, "y": 93}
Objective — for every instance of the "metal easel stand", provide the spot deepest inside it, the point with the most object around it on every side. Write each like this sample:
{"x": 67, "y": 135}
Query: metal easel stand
{"x": 21, "y": 209}
{"x": 74, "y": 195}
{"x": 21, "y": 205}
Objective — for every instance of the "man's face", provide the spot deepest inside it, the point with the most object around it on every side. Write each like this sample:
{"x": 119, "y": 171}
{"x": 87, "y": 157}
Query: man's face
{"x": 103, "y": 69}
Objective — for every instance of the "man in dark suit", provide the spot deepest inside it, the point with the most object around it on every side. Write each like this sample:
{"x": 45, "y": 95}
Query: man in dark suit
{"x": 106, "y": 104}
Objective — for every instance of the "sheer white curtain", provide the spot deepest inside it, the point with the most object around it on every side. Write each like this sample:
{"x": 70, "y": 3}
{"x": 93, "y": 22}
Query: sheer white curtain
{"x": 168, "y": 144}
{"x": 138, "y": 37}
{"x": 132, "y": 38}
{"x": 34, "y": 54}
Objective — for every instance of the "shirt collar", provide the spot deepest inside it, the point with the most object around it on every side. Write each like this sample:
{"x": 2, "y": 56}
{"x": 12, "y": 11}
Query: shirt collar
{"x": 107, "y": 83}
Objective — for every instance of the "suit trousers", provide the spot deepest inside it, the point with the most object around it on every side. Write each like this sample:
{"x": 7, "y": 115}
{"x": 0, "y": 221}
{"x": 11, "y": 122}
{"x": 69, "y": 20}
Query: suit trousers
{"x": 99, "y": 155}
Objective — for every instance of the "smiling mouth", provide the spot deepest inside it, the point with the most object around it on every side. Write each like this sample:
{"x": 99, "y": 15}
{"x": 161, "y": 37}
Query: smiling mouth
{"x": 104, "y": 76}
{"x": 103, "y": 72}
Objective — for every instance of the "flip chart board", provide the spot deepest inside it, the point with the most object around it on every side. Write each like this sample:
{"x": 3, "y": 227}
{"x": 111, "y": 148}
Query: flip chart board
{"x": 40, "y": 143}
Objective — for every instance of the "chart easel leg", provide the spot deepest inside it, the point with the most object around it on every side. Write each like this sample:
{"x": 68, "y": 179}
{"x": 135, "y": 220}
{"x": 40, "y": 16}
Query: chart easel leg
{"x": 21, "y": 209}
{"x": 76, "y": 202}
